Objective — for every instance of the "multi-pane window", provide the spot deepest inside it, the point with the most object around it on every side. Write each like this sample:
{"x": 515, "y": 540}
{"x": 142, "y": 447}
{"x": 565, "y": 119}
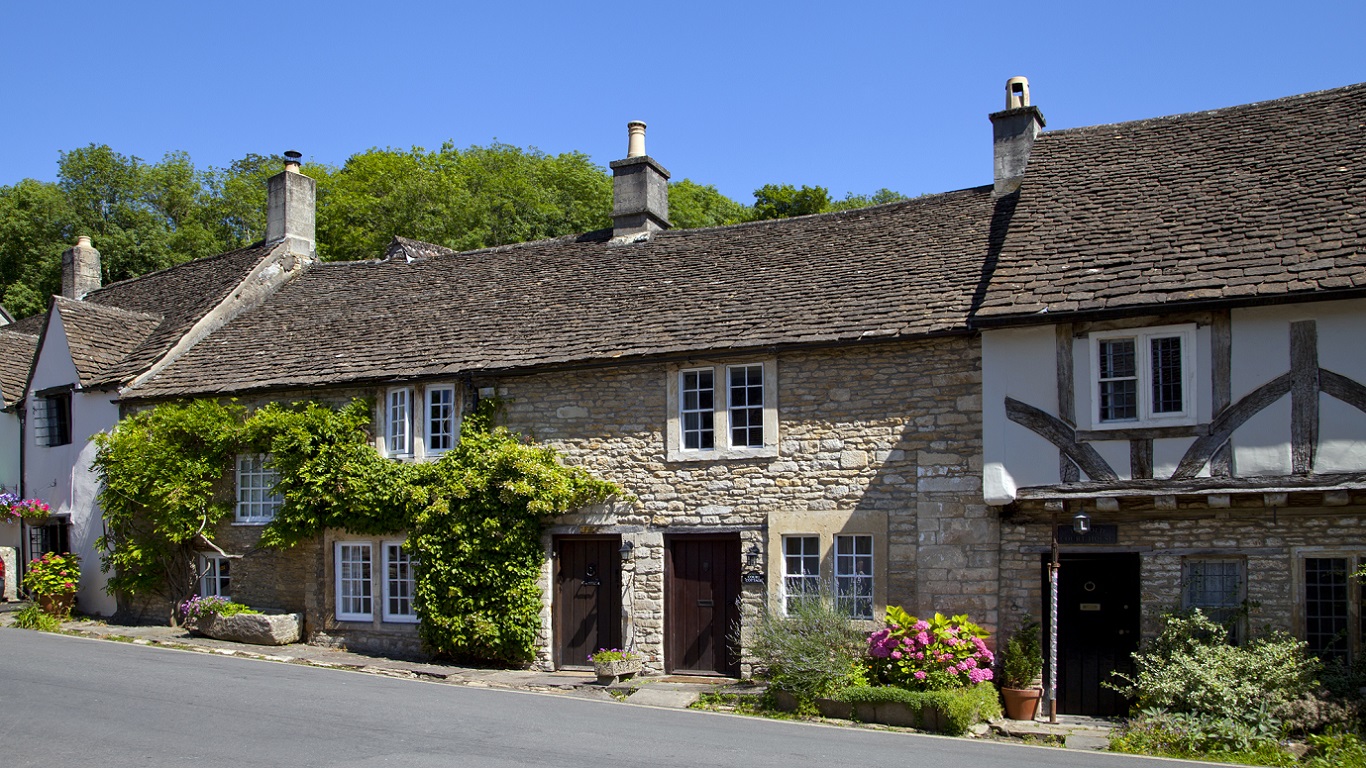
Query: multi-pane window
{"x": 257, "y": 501}
{"x": 1216, "y": 588}
{"x": 354, "y": 581}
{"x": 1327, "y": 606}
{"x": 215, "y": 576}
{"x": 854, "y": 575}
{"x": 746, "y": 403}
{"x": 440, "y": 419}
{"x": 397, "y": 432}
{"x": 697, "y": 409}
{"x": 801, "y": 570}
{"x": 53, "y": 424}
{"x": 1143, "y": 376}
{"x": 399, "y": 583}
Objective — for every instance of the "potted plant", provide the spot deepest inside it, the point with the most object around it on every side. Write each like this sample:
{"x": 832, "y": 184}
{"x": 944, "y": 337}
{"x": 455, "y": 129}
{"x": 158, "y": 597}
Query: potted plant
{"x": 52, "y": 580}
{"x": 614, "y": 664}
{"x": 1021, "y": 668}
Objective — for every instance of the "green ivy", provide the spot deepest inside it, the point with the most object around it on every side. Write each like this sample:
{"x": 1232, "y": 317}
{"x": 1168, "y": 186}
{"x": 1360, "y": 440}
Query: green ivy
{"x": 474, "y": 518}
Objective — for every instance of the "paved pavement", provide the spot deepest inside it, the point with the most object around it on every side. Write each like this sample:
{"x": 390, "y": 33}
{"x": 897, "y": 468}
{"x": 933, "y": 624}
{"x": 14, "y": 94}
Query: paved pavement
{"x": 673, "y": 692}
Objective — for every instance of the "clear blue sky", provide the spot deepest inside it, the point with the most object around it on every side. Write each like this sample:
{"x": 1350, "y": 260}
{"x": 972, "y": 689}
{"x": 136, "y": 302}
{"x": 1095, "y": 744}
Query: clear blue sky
{"x": 851, "y": 96}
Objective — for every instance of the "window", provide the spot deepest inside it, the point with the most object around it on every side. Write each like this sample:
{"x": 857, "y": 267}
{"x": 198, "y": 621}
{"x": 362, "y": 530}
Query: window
{"x": 440, "y": 419}
{"x": 53, "y": 423}
{"x": 722, "y": 411}
{"x": 1143, "y": 377}
{"x": 257, "y": 501}
{"x": 1216, "y": 587}
{"x": 54, "y": 536}
{"x": 801, "y": 570}
{"x": 1334, "y": 607}
{"x": 354, "y": 581}
{"x": 397, "y": 435}
{"x": 854, "y": 575}
{"x": 399, "y": 583}
{"x": 215, "y": 576}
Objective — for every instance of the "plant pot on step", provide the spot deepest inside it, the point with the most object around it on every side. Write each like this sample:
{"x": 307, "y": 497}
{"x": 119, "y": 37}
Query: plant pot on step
{"x": 58, "y": 605}
{"x": 1021, "y": 703}
{"x": 609, "y": 672}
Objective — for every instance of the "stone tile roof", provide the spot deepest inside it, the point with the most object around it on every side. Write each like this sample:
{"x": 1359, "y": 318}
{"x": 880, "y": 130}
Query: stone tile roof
{"x": 179, "y": 296}
{"x": 900, "y": 270}
{"x": 100, "y": 337}
{"x": 16, "y": 357}
{"x": 1260, "y": 202}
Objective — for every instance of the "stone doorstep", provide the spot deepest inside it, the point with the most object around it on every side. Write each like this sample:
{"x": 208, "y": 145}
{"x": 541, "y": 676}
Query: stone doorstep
{"x": 1072, "y": 731}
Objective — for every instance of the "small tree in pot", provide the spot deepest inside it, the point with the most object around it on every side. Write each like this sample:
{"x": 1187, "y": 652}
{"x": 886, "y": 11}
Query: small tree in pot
{"x": 1021, "y": 668}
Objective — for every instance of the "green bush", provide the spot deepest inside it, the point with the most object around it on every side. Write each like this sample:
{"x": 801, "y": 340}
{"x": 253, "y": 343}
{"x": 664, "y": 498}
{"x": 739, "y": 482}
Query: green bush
{"x": 1336, "y": 750}
{"x": 813, "y": 652}
{"x": 1022, "y": 660}
{"x": 34, "y": 617}
{"x": 1190, "y": 668}
{"x": 961, "y": 708}
{"x": 1202, "y": 737}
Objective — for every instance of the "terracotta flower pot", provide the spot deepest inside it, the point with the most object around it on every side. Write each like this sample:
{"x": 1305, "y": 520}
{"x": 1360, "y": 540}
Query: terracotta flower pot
{"x": 57, "y": 605}
{"x": 1021, "y": 703}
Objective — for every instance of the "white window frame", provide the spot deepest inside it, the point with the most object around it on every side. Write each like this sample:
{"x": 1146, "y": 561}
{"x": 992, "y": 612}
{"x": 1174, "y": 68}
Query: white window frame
{"x": 215, "y": 576}
{"x": 440, "y": 427}
{"x": 398, "y": 421}
{"x": 257, "y": 503}
{"x": 1143, "y": 338}
{"x": 348, "y": 553}
{"x": 723, "y": 446}
{"x": 848, "y": 579}
{"x": 396, "y": 556}
{"x": 1228, "y": 609}
{"x": 807, "y": 578}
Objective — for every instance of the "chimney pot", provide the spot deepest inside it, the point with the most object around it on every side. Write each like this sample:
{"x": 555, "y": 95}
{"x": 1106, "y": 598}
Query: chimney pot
{"x": 1017, "y": 92}
{"x": 83, "y": 241}
{"x": 292, "y": 158}
{"x": 635, "y": 145}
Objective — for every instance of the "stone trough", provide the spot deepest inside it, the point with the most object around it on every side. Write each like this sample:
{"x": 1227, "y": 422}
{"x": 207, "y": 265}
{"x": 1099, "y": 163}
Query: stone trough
{"x": 254, "y": 628}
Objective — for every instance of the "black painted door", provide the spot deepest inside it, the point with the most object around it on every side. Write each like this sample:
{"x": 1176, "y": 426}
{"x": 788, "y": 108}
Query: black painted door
{"x": 1098, "y": 629}
{"x": 587, "y": 614}
{"x": 701, "y": 604}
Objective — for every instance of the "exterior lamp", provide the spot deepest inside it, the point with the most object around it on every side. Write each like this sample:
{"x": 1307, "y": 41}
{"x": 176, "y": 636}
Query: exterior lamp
{"x": 1081, "y": 523}
{"x": 752, "y": 556}
{"x": 628, "y": 548}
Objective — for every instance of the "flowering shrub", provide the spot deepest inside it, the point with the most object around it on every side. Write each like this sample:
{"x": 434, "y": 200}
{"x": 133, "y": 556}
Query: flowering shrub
{"x": 197, "y": 607}
{"x": 931, "y": 655}
{"x": 604, "y": 655}
{"x": 53, "y": 574}
{"x": 13, "y": 508}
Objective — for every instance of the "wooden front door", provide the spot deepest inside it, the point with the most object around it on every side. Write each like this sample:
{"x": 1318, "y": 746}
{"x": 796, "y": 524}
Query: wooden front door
{"x": 1098, "y": 629}
{"x": 587, "y": 614}
{"x": 701, "y": 604}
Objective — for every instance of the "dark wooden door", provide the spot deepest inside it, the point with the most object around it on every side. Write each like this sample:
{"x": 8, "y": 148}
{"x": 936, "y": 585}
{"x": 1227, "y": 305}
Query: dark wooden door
{"x": 701, "y": 604}
{"x": 587, "y": 613}
{"x": 1098, "y": 629}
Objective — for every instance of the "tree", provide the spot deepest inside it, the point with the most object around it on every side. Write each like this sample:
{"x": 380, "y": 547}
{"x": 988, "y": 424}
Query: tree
{"x": 880, "y": 197}
{"x": 775, "y": 201}
{"x": 694, "y": 205}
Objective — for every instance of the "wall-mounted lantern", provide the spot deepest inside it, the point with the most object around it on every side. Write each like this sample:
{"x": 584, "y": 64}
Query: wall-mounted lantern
{"x": 628, "y": 548}
{"x": 1081, "y": 523}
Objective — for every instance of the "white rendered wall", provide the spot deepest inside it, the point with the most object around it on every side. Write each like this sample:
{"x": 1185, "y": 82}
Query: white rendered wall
{"x": 9, "y": 474}
{"x": 1020, "y": 363}
{"x": 61, "y": 475}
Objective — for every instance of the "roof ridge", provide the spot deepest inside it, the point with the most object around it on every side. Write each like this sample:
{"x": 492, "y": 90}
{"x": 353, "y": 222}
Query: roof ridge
{"x": 109, "y": 309}
{"x": 200, "y": 260}
{"x": 1205, "y": 112}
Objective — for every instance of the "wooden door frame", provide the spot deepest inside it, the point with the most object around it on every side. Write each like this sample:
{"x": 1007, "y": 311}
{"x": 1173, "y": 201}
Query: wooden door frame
{"x": 733, "y": 613}
{"x": 557, "y": 616}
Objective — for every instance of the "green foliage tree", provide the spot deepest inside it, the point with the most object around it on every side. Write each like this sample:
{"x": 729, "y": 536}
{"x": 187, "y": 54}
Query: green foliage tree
{"x": 693, "y": 205}
{"x": 159, "y": 469}
{"x": 880, "y": 197}
{"x": 780, "y": 201}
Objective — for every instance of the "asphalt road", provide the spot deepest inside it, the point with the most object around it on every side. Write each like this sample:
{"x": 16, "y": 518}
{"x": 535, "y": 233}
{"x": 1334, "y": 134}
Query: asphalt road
{"x": 67, "y": 701}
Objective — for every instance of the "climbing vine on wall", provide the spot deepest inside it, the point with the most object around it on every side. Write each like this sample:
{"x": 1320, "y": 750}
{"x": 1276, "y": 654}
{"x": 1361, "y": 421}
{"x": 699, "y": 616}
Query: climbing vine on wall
{"x": 473, "y": 518}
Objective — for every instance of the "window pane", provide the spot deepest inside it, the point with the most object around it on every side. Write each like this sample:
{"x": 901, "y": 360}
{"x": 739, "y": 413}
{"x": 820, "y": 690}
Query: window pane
{"x": 1166, "y": 362}
{"x": 399, "y": 583}
{"x": 1325, "y": 606}
{"x": 353, "y": 580}
{"x": 398, "y": 422}
{"x": 801, "y": 570}
{"x": 1216, "y": 588}
{"x": 440, "y": 419}
{"x": 854, "y": 575}
{"x": 696, "y": 414}
{"x": 747, "y": 406}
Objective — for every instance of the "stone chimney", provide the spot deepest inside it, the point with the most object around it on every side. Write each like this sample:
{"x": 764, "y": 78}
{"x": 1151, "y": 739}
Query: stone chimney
{"x": 80, "y": 269}
{"x": 640, "y": 190}
{"x": 1013, "y": 133}
{"x": 290, "y": 207}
